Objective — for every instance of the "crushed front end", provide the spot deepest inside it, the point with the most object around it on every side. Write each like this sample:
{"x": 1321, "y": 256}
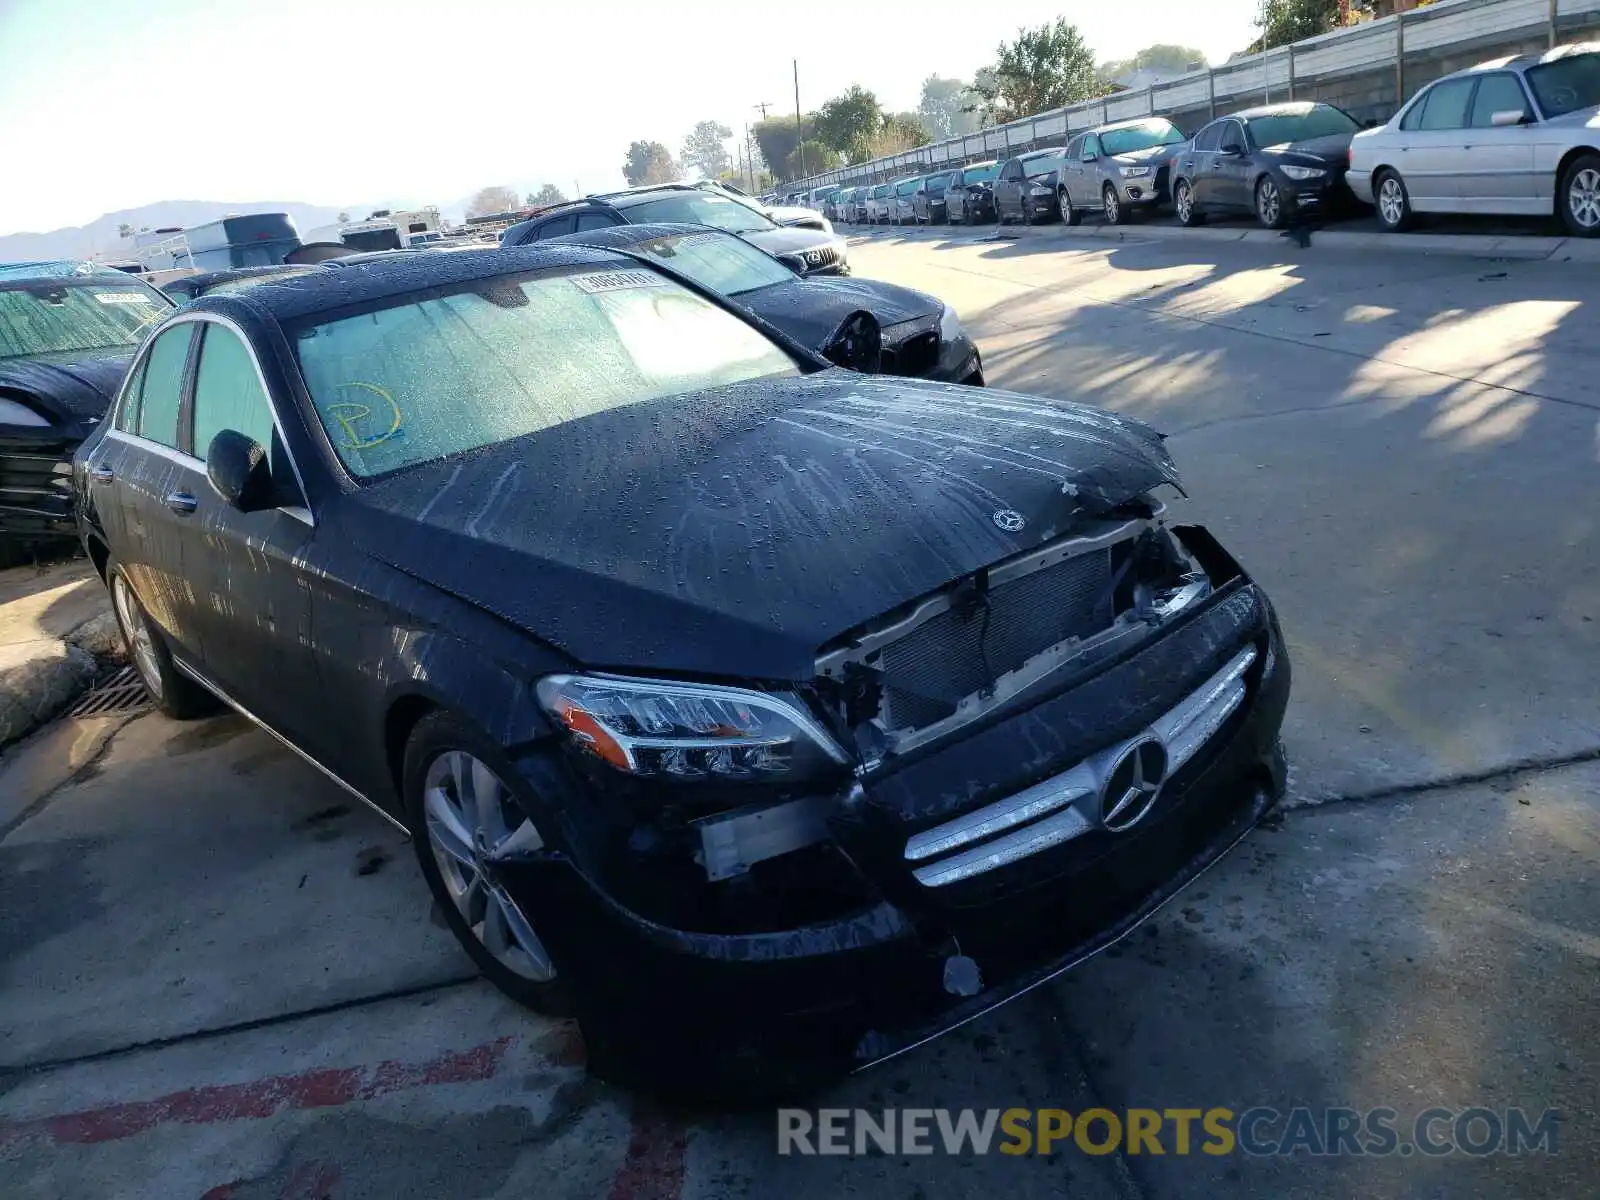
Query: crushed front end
{"x": 1040, "y": 755}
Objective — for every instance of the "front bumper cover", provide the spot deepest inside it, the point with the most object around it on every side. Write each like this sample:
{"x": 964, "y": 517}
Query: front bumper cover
{"x": 843, "y": 993}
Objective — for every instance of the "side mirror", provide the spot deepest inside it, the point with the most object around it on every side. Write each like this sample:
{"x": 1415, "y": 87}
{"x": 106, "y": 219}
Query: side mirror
{"x": 1091, "y": 157}
{"x": 238, "y": 469}
{"x": 1234, "y": 149}
{"x": 1509, "y": 116}
{"x": 794, "y": 262}
{"x": 1370, "y": 123}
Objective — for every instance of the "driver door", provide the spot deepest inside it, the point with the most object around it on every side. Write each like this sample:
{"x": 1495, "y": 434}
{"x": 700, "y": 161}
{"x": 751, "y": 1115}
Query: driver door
{"x": 1231, "y": 172}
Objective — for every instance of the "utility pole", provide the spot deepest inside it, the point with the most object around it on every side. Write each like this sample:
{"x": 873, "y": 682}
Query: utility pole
{"x": 1266, "y": 80}
{"x": 763, "y": 106}
{"x": 799, "y": 132}
{"x": 749, "y": 159}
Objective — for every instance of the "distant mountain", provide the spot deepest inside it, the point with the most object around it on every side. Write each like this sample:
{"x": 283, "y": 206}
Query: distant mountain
{"x": 100, "y": 236}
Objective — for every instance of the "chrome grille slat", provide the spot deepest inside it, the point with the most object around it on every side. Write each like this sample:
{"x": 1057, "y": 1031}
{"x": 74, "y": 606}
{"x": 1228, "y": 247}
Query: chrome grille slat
{"x": 1067, "y": 805}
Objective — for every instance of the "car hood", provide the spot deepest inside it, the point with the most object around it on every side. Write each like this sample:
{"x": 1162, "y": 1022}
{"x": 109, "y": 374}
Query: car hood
{"x": 733, "y": 531}
{"x": 73, "y": 387}
{"x": 811, "y": 310}
{"x": 1332, "y": 150}
{"x": 1147, "y": 155}
{"x": 788, "y": 214}
{"x": 1580, "y": 118}
{"x": 788, "y": 239}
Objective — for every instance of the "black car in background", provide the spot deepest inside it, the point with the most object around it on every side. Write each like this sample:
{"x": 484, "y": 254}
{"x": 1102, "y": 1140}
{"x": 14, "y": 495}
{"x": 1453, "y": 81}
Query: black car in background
{"x": 822, "y": 253}
{"x": 969, "y": 198}
{"x": 1277, "y": 161}
{"x": 67, "y": 333}
{"x": 929, "y": 203}
{"x": 768, "y": 717}
{"x": 917, "y": 334}
{"x": 1025, "y": 189}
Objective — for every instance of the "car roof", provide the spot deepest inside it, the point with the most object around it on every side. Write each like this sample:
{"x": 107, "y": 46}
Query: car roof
{"x": 362, "y": 279}
{"x": 1521, "y": 62}
{"x": 1131, "y": 123}
{"x": 71, "y": 270}
{"x": 632, "y": 235}
{"x": 1276, "y": 110}
{"x": 988, "y": 162}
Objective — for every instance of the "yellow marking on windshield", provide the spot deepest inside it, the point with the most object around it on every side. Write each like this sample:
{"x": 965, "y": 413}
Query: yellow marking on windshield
{"x": 351, "y": 413}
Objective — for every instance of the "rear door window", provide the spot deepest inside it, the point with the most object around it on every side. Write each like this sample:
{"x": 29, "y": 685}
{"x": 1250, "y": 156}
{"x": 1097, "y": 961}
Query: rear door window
{"x": 555, "y": 227}
{"x": 595, "y": 220}
{"x": 161, "y": 390}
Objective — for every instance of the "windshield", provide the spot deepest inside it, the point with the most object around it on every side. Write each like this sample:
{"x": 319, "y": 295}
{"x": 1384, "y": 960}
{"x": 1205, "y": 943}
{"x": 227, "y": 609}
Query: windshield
{"x": 1567, "y": 84}
{"x": 699, "y": 208}
{"x": 422, "y": 379}
{"x": 1036, "y": 164}
{"x": 1319, "y": 120}
{"x": 983, "y": 173}
{"x": 718, "y": 261}
{"x": 56, "y": 316}
{"x": 1140, "y": 137}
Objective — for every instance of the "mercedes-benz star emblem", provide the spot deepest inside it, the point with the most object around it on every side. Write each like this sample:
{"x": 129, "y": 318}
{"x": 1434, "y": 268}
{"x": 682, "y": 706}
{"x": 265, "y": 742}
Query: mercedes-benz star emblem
{"x": 1009, "y": 519}
{"x": 1132, "y": 784}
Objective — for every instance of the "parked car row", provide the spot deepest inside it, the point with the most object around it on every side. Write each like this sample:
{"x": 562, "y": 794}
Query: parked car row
{"x": 1513, "y": 136}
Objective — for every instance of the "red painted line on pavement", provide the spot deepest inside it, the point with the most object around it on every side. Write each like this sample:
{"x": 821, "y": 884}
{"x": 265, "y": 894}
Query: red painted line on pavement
{"x": 258, "y": 1098}
{"x": 654, "y": 1166}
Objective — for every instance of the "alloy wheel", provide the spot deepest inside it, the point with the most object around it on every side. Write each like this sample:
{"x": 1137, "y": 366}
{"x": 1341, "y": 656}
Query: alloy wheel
{"x": 1391, "y": 201}
{"x": 473, "y": 827}
{"x": 1113, "y": 208}
{"x": 1269, "y": 204}
{"x": 1583, "y": 197}
{"x": 1185, "y": 203}
{"x": 141, "y": 642}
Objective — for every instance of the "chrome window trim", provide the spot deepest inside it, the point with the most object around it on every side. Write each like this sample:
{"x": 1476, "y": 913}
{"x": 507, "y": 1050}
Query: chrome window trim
{"x": 300, "y": 511}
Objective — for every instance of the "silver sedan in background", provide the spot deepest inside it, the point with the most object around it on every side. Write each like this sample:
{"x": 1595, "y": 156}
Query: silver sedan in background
{"x": 1514, "y": 136}
{"x": 1117, "y": 168}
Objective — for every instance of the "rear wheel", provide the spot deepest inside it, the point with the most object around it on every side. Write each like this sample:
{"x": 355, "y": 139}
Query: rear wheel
{"x": 1394, "y": 205}
{"x": 175, "y": 694}
{"x": 1580, "y": 196}
{"x": 1183, "y": 203}
{"x": 1069, "y": 215}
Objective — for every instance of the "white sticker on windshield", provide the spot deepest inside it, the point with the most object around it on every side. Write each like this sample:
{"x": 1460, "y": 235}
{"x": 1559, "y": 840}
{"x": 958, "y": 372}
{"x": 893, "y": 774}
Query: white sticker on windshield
{"x": 615, "y": 281}
{"x": 122, "y": 298}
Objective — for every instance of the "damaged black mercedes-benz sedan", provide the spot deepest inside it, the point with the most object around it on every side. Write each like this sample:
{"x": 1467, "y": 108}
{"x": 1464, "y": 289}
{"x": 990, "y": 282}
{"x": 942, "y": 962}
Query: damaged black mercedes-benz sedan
{"x": 769, "y": 718}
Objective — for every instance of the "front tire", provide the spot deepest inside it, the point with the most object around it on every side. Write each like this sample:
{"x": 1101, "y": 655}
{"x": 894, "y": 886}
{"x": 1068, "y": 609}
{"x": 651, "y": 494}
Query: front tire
{"x": 1116, "y": 213}
{"x": 1580, "y": 196}
{"x": 1393, "y": 202}
{"x": 468, "y": 811}
{"x": 1183, "y": 203}
{"x": 1272, "y": 209}
{"x": 175, "y": 694}
{"x": 1069, "y": 215}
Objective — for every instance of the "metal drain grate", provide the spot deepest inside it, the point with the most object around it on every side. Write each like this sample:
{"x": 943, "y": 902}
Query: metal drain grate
{"x": 122, "y": 692}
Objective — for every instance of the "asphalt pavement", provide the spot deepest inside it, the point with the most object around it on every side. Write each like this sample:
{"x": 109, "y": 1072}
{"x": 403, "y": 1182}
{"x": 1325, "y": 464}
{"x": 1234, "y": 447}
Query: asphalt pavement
{"x": 220, "y": 978}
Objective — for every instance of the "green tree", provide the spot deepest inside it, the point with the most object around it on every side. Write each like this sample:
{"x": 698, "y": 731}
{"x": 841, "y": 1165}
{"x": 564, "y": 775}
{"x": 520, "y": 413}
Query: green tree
{"x": 1285, "y": 21}
{"x": 649, "y": 162}
{"x": 775, "y": 138}
{"x": 706, "y": 148}
{"x": 1044, "y": 68}
{"x": 817, "y": 157}
{"x": 848, "y": 121}
{"x": 1163, "y": 56}
{"x": 945, "y": 109}
{"x": 900, "y": 132}
{"x": 548, "y": 194}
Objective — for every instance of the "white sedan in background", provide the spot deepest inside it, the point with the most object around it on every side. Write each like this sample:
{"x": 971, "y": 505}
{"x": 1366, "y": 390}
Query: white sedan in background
{"x": 1515, "y": 136}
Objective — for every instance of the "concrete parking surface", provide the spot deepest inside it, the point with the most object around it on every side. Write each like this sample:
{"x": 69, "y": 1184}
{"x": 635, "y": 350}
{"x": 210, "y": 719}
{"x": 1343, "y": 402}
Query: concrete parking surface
{"x": 219, "y": 976}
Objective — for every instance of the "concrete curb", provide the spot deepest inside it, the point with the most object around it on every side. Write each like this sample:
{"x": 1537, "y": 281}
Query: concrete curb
{"x": 1550, "y": 249}
{"x": 37, "y": 680}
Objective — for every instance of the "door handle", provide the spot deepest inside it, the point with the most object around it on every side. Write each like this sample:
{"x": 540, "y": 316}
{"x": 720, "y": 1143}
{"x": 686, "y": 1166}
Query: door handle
{"x": 100, "y": 474}
{"x": 182, "y": 502}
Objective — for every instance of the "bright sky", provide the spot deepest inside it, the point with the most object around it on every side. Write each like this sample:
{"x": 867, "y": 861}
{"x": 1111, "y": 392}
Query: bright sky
{"x": 109, "y": 104}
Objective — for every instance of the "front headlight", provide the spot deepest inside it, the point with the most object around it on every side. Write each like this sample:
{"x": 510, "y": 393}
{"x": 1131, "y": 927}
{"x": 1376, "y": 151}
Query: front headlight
{"x": 1040, "y": 189}
{"x": 689, "y": 731}
{"x": 1301, "y": 174}
{"x": 949, "y": 325}
{"x": 1133, "y": 172}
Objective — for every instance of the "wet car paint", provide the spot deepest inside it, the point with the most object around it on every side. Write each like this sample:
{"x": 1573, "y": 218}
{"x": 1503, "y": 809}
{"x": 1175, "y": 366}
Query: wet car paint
{"x": 724, "y": 535}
